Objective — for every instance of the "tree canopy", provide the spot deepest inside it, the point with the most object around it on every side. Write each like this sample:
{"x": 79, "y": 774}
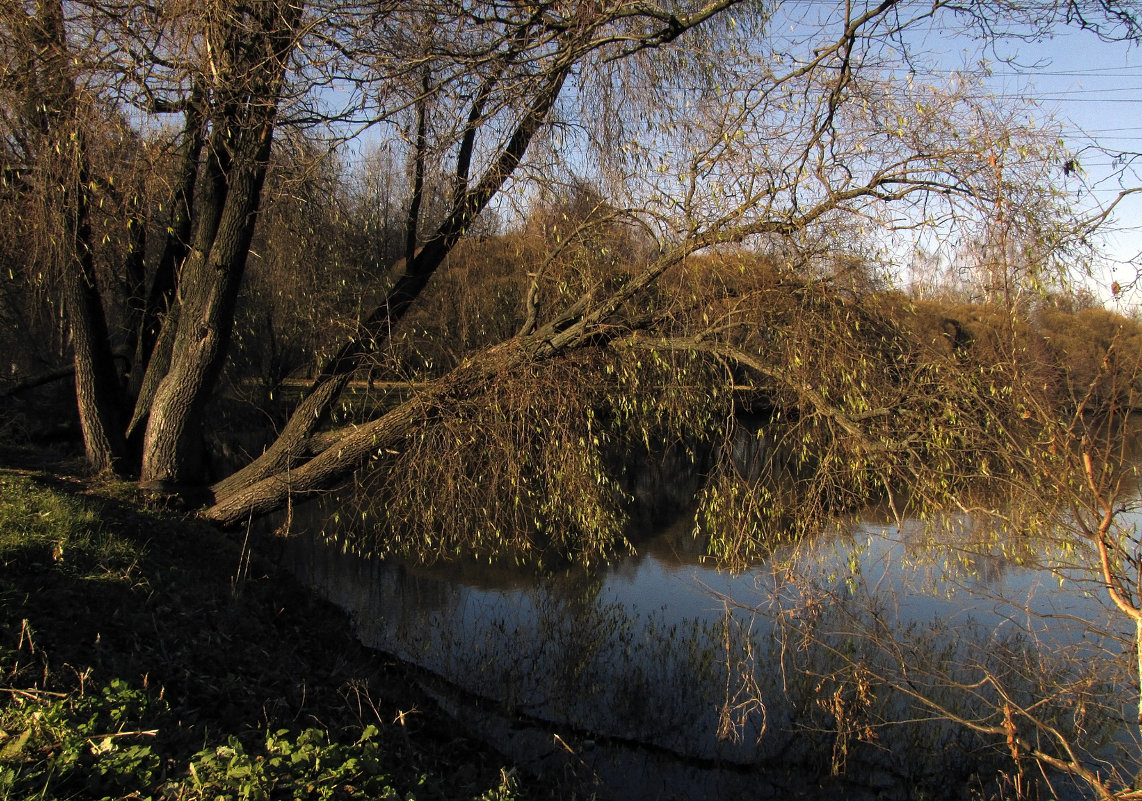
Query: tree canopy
{"x": 565, "y": 228}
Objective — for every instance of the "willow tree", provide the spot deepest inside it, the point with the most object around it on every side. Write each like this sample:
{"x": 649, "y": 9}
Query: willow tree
{"x": 223, "y": 68}
{"x": 749, "y": 136}
{"x": 717, "y": 124}
{"x": 49, "y": 166}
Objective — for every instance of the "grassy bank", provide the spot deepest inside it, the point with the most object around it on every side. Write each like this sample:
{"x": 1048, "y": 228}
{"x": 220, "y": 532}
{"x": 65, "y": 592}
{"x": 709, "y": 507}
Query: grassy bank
{"x": 141, "y": 657}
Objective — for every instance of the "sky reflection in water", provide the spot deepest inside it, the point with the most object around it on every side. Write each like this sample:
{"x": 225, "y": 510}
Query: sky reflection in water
{"x": 706, "y": 664}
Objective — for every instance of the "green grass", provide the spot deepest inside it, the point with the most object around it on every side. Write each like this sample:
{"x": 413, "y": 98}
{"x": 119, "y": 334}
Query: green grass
{"x": 39, "y": 526}
{"x": 137, "y": 660}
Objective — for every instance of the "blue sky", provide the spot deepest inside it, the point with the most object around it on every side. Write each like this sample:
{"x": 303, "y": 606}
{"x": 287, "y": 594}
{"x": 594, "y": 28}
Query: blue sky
{"x": 1096, "y": 87}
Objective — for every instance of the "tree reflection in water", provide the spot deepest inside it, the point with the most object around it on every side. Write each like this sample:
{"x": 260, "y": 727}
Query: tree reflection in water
{"x": 857, "y": 655}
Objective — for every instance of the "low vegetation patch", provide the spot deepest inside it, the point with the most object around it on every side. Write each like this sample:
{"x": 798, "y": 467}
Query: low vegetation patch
{"x": 146, "y": 656}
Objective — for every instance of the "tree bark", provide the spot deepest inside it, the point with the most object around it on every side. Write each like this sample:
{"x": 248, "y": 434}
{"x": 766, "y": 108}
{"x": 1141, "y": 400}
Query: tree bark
{"x": 207, "y": 213}
{"x": 63, "y": 158}
{"x": 408, "y": 280}
{"x": 208, "y": 294}
{"x": 160, "y": 296}
{"x": 247, "y": 91}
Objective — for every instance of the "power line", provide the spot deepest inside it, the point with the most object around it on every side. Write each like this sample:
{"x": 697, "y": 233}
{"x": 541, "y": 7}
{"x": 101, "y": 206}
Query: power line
{"x": 1096, "y": 72}
{"x": 1085, "y": 91}
{"x": 1106, "y": 130}
{"x": 1106, "y": 100}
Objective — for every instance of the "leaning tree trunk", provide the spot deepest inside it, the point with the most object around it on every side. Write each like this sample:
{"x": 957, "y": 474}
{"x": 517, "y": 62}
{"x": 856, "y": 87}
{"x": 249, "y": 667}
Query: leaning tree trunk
{"x": 97, "y": 389}
{"x": 54, "y": 109}
{"x": 354, "y": 449}
{"x": 587, "y": 322}
{"x": 562, "y": 52}
{"x": 409, "y": 279}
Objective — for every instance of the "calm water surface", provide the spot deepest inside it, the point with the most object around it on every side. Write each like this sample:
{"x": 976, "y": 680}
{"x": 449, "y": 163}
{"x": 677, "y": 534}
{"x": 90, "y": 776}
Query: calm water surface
{"x": 665, "y": 677}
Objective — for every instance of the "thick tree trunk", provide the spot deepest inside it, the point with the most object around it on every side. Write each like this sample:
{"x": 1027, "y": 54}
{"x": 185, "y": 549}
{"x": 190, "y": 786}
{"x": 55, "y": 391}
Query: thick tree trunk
{"x": 96, "y": 383}
{"x": 160, "y": 297}
{"x": 211, "y": 186}
{"x": 209, "y": 293}
{"x": 253, "y": 49}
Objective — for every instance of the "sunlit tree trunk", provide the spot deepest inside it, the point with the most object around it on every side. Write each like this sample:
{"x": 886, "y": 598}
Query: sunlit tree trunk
{"x": 159, "y": 298}
{"x": 246, "y": 93}
{"x": 208, "y": 293}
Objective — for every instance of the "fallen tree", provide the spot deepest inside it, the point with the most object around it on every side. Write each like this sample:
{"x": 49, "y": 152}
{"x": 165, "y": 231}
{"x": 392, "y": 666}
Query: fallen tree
{"x": 807, "y": 156}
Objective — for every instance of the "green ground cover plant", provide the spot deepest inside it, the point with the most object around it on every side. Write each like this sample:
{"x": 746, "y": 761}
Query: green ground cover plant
{"x": 143, "y": 655}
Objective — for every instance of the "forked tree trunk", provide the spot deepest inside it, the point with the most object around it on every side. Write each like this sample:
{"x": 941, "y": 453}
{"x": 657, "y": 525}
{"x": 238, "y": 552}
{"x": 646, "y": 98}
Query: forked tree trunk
{"x": 210, "y": 185}
{"x": 246, "y": 94}
{"x": 209, "y": 292}
{"x": 160, "y": 297}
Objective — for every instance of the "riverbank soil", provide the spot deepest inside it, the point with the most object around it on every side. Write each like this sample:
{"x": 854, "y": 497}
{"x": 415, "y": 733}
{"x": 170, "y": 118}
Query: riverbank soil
{"x": 145, "y": 655}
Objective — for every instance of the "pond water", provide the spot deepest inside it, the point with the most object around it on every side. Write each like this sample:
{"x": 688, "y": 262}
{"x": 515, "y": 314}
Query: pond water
{"x": 662, "y": 676}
